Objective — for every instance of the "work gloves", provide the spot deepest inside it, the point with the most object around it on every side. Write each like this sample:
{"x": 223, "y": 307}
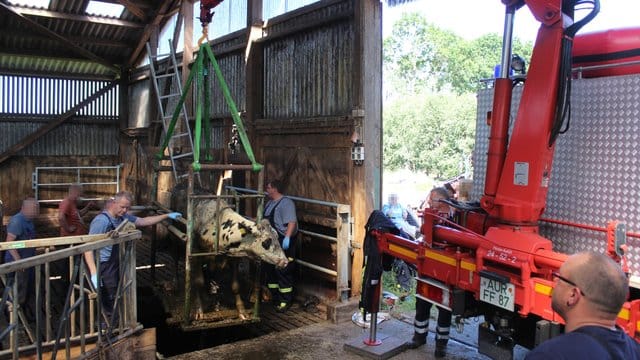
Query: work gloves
{"x": 285, "y": 243}
{"x": 174, "y": 215}
{"x": 94, "y": 281}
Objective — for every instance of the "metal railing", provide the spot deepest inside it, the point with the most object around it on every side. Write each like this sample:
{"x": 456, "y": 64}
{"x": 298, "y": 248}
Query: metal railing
{"x": 343, "y": 238}
{"x": 79, "y": 175}
{"x": 81, "y": 322}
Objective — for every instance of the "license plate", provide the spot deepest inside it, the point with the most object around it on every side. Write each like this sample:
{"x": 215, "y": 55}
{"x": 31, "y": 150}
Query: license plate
{"x": 497, "y": 293}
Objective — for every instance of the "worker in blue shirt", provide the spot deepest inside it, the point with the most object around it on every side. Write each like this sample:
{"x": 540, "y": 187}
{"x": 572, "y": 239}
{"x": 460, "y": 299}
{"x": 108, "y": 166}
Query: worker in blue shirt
{"x": 21, "y": 227}
{"x": 115, "y": 212}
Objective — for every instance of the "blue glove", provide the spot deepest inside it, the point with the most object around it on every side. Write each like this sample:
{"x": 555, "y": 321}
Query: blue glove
{"x": 174, "y": 215}
{"x": 94, "y": 281}
{"x": 285, "y": 243}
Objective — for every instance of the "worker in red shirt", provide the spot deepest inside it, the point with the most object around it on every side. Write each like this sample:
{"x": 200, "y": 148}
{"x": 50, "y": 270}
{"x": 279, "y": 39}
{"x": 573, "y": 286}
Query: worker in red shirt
{"x": 69, "y": 217}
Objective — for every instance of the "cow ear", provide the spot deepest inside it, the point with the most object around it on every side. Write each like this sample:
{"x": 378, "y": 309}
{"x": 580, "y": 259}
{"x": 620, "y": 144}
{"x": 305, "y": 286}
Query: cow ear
{"x": 263, "y": 224}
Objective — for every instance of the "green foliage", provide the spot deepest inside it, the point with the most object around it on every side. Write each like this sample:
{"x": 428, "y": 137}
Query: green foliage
{"x": 434, "y": 133}
{"x": 420, "y": 57}
{"x": 429, "y": 133}
{"x": 406, "y": 303}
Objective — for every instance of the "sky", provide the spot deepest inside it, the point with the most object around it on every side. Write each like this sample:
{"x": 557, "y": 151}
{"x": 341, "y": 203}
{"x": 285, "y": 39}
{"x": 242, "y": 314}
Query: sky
{"x": 472, "y": 18}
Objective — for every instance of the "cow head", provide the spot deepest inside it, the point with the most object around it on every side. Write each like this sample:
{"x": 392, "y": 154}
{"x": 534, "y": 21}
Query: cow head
{"x": 237, "y": 235}
{"x": 267, "y": 245}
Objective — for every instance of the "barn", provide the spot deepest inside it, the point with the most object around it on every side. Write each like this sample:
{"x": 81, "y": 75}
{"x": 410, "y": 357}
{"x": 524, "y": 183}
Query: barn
{"x": 292, "y": 91}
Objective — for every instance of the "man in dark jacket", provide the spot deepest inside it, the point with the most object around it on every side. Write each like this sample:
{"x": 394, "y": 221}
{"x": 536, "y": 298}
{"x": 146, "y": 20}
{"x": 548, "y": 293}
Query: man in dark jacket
{"x": 589, "y": 292}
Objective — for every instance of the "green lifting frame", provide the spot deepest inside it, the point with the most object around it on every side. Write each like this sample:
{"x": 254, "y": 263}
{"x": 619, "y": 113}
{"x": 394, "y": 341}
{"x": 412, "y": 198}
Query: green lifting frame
{"x": 199, "y": 71}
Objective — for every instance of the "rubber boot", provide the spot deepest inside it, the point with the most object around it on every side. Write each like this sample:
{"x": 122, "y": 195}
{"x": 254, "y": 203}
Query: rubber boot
{"x": 416, "y": 341}
{"x": 441, "y": 348}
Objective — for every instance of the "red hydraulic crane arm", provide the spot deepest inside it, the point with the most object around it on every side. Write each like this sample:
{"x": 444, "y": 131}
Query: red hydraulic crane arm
{"x": 518, "y": 174}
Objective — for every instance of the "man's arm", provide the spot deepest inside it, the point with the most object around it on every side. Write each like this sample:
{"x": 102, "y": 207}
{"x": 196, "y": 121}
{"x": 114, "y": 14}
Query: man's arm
{"x": 291, "y": 228}
{"x": 90, "y": 259}
{"x": 14, "y": 253}
{"x": 152, "y": 220}
{"x": 62, "y": 217}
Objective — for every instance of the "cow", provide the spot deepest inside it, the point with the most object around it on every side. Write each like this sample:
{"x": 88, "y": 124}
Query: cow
{"x": 222, "y": 230}
{"x": 233, "y": 240}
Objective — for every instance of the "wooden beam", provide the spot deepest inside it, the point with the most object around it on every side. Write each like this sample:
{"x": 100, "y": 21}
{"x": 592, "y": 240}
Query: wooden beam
{"x": 163, "y": 9}
{"x": 53, "y": 35}
{"x": 134, "y": 9}
{"x": 75, "y": 17}
{"x": 187, "y": 52}
{"x": 367, "y": 80}
{"x": 30, "y": 139}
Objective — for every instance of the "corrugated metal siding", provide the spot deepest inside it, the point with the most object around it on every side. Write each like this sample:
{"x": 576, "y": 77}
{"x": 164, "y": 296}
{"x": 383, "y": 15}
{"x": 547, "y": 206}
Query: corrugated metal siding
{"x": 140, "y": 97}
{"x": 45, "y": 96}
{"x": 310, "y": 74}
{"x": 229, "y": 16}
{"x": 273, "y": 8}
{"x": 233, "y": 71}
{"x": 68, "y": 139}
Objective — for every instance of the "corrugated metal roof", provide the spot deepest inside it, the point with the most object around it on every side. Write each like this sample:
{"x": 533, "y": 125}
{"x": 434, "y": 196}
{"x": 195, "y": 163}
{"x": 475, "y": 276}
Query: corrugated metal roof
{"x": 25, "y": 50}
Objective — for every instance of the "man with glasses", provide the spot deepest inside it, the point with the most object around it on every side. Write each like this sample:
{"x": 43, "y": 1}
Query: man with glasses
{"x": 589, "y": 292}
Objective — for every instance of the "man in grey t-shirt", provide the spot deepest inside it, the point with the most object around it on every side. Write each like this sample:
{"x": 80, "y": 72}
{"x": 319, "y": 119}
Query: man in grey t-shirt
{"x": 281, "y": 213}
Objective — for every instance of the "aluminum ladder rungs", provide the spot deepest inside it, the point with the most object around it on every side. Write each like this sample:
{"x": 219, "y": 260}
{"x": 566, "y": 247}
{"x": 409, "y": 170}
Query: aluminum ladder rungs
{"x": 165, "y": 75}
{"x": 183, "y": 155}
{"x": 175, "y": 136}
{"x": 154, "y": 57}
{"x": 162, "y": 97}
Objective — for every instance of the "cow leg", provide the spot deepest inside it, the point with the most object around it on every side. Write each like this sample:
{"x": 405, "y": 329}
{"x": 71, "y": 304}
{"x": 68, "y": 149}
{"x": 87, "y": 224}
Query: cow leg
{"x": 235, "y": 288}
{"x": 197, "y": 284}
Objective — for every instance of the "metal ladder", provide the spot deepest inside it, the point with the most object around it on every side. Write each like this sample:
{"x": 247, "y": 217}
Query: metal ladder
{"x": 171, "y": 74}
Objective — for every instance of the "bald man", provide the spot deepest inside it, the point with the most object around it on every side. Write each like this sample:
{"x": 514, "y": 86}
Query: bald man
{"x": 589, "y": 292}
{"x": 21, "y": 227}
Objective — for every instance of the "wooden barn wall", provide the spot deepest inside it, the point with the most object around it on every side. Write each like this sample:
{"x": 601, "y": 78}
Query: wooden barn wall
{"x": 15, "y": 180}
{"x": 304, "y": 132}
{"x": 321, "y": 84}
{"x": 230, "y": 55}
{"x": 311, "y": 79}
{"x": 81, "y": 141}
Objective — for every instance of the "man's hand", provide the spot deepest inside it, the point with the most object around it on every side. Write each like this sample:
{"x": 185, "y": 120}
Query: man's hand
{"x": 285, "y": 243}
{"x": 174, "y": 215}
{"x": 94, "y": 281}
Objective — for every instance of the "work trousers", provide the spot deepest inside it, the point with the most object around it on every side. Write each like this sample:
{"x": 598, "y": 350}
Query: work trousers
{"x": 280, "y": 282}
{"x": 421, "y": 321}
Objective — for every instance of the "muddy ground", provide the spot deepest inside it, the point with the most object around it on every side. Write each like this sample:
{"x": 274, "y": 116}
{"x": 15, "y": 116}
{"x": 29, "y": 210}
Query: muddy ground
{"x": 326, "y": 341}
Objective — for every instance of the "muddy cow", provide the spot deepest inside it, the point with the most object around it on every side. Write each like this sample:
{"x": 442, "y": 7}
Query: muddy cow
{"x": 222, "y": 230}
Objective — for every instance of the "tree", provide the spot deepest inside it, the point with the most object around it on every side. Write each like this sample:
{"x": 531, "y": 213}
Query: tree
{"x": 429, "y": 133}
{"x": 421, "y": 57}
{"x": 423, "y": 131}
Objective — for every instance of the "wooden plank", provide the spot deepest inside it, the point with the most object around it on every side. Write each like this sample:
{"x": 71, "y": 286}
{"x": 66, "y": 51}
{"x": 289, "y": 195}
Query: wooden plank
{"x": 56, "y": 241}
{"x": 187, "y": 55}
{"x": 133, "y": 8}
{"x": 30, "y": 139}
{"x": 367, "y": 74}
{"x": 55, "y": 36}
{"x": 157, "y": 18}
{"x": 75, "y": 17}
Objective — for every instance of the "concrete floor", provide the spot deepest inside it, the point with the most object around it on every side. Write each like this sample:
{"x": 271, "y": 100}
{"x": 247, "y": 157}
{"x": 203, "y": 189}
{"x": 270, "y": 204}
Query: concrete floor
{"x": 326, "y": 341}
